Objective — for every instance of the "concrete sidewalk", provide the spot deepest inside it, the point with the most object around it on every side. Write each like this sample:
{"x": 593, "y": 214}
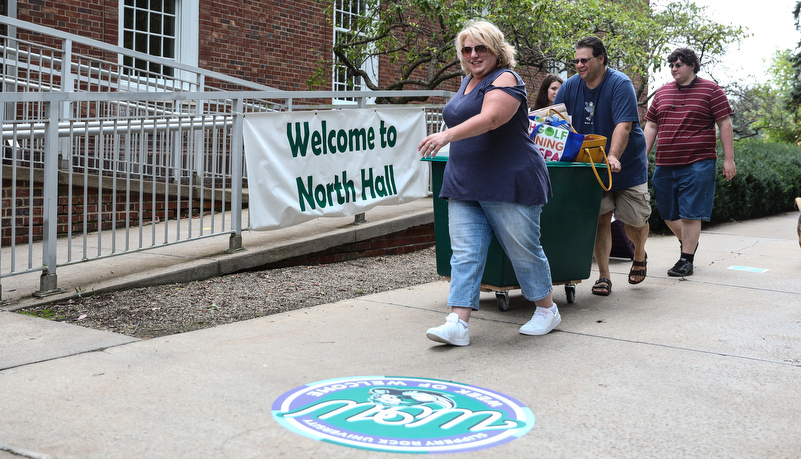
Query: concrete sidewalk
{"x": 706, "y": 366}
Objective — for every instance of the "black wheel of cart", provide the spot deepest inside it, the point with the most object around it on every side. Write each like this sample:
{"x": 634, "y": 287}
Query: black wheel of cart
{"x": 503, "y": 300}
{"x": 570, "y": 292}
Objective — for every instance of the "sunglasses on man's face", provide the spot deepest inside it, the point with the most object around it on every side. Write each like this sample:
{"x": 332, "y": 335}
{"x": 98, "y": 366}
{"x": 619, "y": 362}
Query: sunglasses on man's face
{"x": 677, "y": 65}
{"x": 480, "y": 49}
{"x": 582, "y": 61}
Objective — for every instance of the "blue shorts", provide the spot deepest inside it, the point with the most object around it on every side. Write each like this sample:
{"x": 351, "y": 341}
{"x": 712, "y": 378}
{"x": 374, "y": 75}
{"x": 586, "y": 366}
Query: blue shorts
{"x": 685, "y": 192}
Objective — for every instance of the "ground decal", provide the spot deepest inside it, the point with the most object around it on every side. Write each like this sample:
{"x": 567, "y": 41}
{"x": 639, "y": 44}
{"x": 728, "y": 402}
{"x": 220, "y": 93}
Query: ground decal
{"x": 402, "y": 414}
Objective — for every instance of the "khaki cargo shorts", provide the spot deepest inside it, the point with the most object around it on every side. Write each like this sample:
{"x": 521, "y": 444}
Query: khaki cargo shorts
{"x": 632, "y": 205}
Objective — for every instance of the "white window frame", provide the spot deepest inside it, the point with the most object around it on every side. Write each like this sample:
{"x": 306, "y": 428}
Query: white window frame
{"x": 370, "y": 66}
{"x": 187, "y": 21}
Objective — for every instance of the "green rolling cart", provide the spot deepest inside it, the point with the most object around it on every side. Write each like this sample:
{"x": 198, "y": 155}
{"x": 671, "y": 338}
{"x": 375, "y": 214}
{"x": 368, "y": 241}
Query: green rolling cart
{"x": 568, "y": 225}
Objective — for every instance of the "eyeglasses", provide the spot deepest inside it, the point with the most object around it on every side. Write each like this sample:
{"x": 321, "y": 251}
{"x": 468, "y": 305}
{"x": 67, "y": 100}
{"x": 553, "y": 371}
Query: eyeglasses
{"x": 583, "y": 60}
{"x": 480, "y": 49}
{"x": 678, "y": 65}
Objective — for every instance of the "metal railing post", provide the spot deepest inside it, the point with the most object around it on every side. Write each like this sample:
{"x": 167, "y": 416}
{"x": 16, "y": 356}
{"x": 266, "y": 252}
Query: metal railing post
{"x": 358, "y": 219}
{"x": 237, "y": 143}
{"x": 199, "y": 111}
{"x": 67, "y": 85}
{"x": 48, "y": 283}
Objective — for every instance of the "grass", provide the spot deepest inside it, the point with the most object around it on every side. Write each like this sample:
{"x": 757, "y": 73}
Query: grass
{"x": 48, "y": 314}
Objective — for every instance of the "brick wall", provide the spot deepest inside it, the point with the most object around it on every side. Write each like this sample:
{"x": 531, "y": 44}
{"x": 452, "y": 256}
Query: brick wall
{"x": 409, "y": 240}
{"x": 275, "y": 43}
{"x": 96, "y": 19}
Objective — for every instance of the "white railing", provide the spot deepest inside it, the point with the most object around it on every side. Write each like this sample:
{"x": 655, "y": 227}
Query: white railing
{"x": 129, "y": 172}
{"x": 100, "y": 159}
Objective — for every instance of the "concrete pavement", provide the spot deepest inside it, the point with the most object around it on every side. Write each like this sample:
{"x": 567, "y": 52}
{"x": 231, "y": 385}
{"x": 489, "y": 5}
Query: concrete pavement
{"x": 706, "y": 366}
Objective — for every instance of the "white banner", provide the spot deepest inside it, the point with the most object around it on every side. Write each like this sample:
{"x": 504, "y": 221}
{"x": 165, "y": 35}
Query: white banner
{"x": 334, "y": 163}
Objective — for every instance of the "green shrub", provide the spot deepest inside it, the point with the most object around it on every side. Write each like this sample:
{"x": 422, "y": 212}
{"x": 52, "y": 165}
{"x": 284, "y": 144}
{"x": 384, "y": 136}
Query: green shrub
{"x": 768, "y": 180}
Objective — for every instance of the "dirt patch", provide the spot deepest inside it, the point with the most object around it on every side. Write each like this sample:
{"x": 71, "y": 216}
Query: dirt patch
{"x": 176, "y": 308}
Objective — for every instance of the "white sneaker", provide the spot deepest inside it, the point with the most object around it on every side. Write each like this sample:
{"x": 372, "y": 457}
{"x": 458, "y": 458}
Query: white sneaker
{"x": 453, "y": 331}
{"x": 543, "y": 321}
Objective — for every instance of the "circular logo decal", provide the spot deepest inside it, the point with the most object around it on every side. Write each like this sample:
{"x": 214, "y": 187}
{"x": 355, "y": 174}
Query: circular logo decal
{"x": 402, "y": 415}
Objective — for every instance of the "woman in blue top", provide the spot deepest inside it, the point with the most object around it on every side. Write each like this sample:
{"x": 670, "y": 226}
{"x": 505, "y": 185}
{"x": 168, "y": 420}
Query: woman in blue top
{"x": 495, "y": 181}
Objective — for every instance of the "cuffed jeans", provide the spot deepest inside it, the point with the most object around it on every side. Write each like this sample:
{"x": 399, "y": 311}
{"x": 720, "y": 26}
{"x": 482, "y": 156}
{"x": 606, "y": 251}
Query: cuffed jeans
{"x": 517, "y": 227}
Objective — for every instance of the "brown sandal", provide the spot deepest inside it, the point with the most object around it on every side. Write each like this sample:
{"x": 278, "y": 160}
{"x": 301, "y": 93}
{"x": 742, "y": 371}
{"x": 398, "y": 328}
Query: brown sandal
{"x": 603, "y": 287}
{"x": 638, "y": 269}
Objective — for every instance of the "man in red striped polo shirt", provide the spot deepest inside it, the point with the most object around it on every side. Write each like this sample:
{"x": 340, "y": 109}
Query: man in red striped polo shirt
{"x": 682, "y": 120}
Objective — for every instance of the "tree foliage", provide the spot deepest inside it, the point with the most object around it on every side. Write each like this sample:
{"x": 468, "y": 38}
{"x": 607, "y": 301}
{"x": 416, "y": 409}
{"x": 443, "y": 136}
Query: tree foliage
{"x": 794, "y": 101}
{"x": 766, "y": 110}
{"x": 416, "y": 37}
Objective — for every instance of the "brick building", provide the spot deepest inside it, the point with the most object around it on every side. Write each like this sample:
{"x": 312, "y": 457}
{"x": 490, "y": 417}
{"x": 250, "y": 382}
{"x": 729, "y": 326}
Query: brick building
{"x": 277, "y": 44}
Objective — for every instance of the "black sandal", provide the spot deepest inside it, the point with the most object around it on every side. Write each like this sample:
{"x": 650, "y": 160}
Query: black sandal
{"x": 603, "y": 287}
{"x": 638, "y": 268}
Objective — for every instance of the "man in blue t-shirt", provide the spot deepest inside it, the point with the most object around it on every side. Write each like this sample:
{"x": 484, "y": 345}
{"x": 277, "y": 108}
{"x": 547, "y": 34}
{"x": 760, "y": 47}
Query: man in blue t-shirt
{"x": 601, "y": 101}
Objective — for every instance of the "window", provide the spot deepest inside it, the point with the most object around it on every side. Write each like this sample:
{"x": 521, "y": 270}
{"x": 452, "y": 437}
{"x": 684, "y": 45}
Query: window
{"x": 160, "y": 28}
{"x": 149, "y": 27}
{"x": 346, "y": 13}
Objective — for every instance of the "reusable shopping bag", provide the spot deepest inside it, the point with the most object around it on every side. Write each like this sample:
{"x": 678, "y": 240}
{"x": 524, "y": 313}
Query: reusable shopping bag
{"x": 591, "y": 150}
{"x": 555, "y": 138}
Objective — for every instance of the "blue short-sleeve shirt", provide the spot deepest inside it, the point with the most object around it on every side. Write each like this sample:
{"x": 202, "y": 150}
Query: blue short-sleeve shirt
{"x": 599, "y": 110}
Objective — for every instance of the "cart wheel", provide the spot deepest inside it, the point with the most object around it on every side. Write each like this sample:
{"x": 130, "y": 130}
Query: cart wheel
{"x": 570, "y": 292}
{"x": 503, "y": 300}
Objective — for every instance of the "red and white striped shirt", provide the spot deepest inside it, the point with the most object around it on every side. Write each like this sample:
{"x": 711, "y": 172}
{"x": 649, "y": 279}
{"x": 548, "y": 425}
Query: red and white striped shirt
{"x": 686, "y": 117}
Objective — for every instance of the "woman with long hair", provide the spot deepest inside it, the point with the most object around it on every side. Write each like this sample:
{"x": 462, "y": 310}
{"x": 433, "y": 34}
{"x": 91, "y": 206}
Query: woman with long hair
{"x": 548, "y": 89}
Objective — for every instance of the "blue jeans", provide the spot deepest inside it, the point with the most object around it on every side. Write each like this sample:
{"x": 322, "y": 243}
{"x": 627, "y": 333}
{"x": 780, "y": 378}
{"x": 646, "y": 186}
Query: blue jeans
{"x": 517, "y": 227}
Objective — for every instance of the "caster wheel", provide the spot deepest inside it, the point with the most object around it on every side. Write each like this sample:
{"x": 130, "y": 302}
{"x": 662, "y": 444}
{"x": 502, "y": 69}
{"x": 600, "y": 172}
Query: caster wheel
{"x": 570, "y": 293}
{"x": 503, "y": 300}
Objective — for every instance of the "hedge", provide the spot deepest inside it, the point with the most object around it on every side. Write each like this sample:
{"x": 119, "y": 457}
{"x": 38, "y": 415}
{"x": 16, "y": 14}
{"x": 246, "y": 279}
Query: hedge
{"x": 767, "y": 182}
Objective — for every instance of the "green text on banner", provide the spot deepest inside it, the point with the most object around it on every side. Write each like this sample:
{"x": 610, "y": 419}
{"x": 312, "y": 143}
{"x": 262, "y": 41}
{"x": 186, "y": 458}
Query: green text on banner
{"x": 337, "y": 163}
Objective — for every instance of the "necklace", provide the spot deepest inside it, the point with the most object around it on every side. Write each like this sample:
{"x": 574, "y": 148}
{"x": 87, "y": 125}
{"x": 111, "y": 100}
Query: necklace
{"x": 687, "y": 93}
